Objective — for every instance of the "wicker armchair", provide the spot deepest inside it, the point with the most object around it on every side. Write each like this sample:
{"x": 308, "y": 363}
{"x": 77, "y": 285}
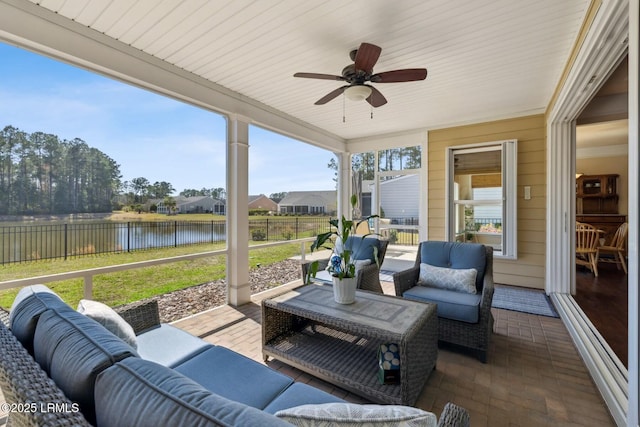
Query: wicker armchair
{"x": 368, "y": 277}
{"x": 472, "y": 336}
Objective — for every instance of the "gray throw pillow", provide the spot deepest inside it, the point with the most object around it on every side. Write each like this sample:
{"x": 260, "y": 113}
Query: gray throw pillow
{"x": 108, "y": 318}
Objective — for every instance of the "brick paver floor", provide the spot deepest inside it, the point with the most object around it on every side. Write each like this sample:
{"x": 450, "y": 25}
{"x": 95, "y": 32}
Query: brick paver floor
{"x": 533, "y": 377}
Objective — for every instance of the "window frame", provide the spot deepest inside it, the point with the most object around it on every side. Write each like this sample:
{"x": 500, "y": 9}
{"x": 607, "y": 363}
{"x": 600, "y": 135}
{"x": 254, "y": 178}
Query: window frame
{"x": 509, "y": 165}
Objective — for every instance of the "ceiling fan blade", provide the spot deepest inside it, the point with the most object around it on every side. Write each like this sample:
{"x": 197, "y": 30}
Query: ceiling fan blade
{"x": 407, "y": 75}
{"x": 333, "y": 94}
{"x": 318, "y": 76}
{"x": 367, "y": 56}
{"x": 376, "y": 99}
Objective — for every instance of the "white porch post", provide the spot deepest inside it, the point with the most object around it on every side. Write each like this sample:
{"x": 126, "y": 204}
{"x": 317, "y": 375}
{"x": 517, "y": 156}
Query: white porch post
{"x": 238, "y": 288}
{"x": 344, "y": 185}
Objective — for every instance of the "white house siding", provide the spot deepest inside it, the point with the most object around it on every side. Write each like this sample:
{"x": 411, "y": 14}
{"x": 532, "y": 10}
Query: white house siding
{"x": 486, "y": 213}
{"x": 400, "y": 197}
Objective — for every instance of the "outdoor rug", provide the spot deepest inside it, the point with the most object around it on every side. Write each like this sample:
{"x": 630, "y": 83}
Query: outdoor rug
{"x": 531, "y": 301}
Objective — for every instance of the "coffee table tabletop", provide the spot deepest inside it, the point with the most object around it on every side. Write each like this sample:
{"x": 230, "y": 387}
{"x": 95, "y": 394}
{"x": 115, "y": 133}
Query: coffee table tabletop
{"x": 391, "y": 316}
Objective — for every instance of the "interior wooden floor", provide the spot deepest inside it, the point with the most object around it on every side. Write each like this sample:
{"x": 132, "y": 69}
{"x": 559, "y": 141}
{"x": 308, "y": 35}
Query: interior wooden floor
{"x": 604, "y": 299}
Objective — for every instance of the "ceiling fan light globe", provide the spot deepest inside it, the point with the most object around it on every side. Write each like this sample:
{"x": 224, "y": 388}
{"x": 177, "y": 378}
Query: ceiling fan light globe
{"x": 357, "y": 93}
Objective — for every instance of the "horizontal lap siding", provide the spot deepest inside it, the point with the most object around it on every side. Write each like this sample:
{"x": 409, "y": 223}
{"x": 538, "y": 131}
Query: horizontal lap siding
{"x": 529, "y": 269}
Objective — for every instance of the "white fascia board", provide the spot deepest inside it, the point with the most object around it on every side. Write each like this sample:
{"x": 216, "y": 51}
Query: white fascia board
{"x": 30, "y": 26}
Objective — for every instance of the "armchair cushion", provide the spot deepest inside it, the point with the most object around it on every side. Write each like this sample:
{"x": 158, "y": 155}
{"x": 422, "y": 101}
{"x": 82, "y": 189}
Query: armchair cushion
{"x": 460, "y": 280}
{"x": 325, "y": 276}
{"x": 452, "y": 305}
{"x": 362, "y": 248}
{"x": 455, "y": 255}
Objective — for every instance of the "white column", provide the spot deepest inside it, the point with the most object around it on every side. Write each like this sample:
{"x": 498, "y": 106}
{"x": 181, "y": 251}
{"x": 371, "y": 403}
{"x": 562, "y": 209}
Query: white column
{"x": 238, "y": 288}
{"x": 423, "y": 231}
{"x": 344, "y": 185}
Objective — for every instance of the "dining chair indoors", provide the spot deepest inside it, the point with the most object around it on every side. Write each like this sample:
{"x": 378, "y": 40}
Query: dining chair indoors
{"x": 587, "y": 246}
{"x": 614, "y": 251}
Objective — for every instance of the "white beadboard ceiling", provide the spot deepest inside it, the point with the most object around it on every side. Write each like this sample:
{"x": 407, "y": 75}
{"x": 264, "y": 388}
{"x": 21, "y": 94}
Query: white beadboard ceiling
{"x": 486, "y": 59}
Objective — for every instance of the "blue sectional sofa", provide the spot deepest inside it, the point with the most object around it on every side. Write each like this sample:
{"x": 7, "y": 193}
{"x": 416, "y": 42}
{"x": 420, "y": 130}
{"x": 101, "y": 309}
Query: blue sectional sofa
{"x": 66, "y": 360}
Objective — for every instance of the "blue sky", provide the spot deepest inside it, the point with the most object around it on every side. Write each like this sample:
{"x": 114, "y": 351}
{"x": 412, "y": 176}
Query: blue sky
{"x": 146, "y": 134}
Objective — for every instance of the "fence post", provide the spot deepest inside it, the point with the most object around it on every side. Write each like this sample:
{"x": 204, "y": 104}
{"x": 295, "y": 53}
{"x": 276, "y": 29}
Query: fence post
{"x": 175, "y": 234}
{"x": 128, "y": 236}
{"x": 297, "y": 225}
{"x": 88, "y": 287}
{"x": 267, "y": 227}
{"x": 66, "y": 229}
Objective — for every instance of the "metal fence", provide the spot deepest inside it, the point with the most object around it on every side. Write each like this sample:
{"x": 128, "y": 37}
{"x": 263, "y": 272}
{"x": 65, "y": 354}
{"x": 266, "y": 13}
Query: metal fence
{"x": 48, "y": 241}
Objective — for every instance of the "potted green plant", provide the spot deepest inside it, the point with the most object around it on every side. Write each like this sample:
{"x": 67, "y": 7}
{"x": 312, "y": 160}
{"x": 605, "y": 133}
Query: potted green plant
{"x": 342, "y": 265}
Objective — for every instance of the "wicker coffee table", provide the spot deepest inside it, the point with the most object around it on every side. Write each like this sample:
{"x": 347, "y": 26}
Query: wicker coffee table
{"x": 338, "y": 343}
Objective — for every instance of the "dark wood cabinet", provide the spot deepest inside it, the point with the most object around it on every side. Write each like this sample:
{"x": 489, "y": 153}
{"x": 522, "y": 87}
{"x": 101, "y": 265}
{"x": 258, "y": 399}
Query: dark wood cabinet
{"x": 597, "y": 194}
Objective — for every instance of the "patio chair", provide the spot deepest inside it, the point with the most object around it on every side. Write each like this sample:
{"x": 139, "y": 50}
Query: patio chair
{"x": 367, "y": 276}
{"x": 614, "y": 251}
{"x": 443, "y": 274}
{"x": 587, "y": 238}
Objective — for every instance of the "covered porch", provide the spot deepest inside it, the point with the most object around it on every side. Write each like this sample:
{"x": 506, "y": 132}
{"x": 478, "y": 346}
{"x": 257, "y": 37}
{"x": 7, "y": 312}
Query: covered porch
{"x": 536, "y": 374}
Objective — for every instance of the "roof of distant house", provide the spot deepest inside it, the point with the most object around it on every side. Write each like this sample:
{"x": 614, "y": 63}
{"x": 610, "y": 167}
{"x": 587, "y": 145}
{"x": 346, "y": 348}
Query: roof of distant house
{"x": 317, "y": 198}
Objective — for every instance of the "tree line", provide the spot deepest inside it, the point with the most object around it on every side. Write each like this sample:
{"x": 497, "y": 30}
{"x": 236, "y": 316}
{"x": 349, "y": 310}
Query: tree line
{"x": 388, "y": 160}
{"x": 42, "y": 174}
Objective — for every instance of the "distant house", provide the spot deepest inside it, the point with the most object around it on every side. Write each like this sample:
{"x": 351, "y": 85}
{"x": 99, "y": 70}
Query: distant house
{"x": 262, "y": 202}
{"x": 309, "y": 203}
{"x": 196, "y": 204}
{"x": 399, "y": 197}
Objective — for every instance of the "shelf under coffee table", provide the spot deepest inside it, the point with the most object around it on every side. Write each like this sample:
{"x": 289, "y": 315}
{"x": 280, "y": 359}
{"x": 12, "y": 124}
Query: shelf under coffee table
{"x": 307, "y": 329}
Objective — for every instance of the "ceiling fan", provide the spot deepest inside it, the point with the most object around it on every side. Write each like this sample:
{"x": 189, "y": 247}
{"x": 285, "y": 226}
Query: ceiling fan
{"x": 360, "y": 73}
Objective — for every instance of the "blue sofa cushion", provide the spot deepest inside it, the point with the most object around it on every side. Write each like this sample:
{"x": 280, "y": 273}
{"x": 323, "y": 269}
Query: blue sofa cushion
{"x": 300, "y": 394}
{"x": 456, "y": 255}
{"x": 362, "y": 248}
{"x": 73, "y": 349}
{"x": 452, "y": 305}
{"x": 137, "y": 392}
{"x": 168, "y": 345}
{"x": 27, "y": 307}
{"x": 218, "y": 367}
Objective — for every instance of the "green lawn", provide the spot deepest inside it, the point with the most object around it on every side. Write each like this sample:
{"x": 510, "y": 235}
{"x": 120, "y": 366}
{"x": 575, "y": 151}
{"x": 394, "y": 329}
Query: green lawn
{"x": 127, "y": 286}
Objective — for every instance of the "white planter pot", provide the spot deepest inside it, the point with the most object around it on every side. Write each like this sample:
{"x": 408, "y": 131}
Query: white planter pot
{"x": 344, "y": 290}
